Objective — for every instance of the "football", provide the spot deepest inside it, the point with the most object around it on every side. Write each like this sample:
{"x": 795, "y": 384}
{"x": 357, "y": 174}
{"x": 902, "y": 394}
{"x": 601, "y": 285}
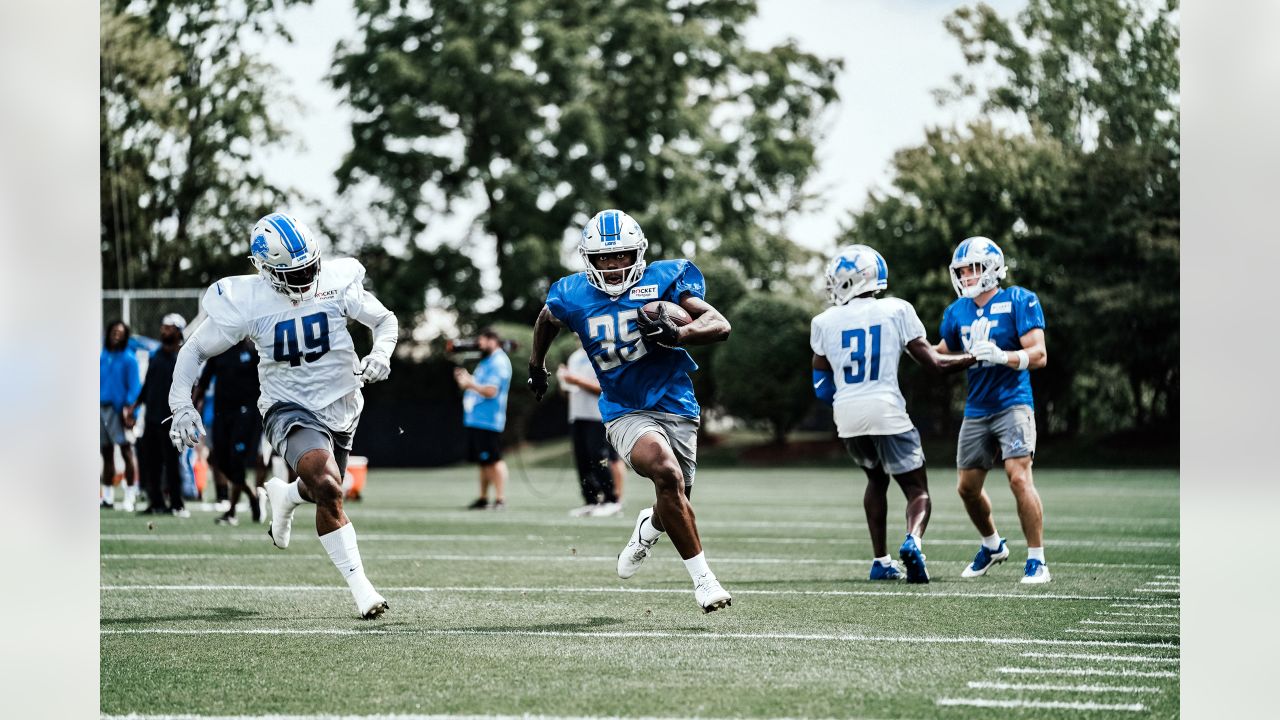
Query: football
{"x": 678, "y": 315}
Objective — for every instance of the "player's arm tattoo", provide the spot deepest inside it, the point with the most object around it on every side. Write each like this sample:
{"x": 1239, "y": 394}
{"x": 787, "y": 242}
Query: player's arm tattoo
{"x": 936, "y": 362}
{"x": 708, "y": 325}
{"x": 545, "y": 329}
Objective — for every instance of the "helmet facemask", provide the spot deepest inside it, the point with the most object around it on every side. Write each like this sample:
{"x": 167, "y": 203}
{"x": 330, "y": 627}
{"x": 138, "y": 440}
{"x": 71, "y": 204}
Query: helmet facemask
{"x": 287, "y": 255}
{"x": 608, "y": 233}
{"x": 986, "y": 261}
{"x": 297, "y": 283}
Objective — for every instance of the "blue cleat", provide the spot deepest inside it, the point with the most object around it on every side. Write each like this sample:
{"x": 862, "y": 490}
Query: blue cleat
{"x": 985, "y": 560}
{"x": 885, "y": 572}
{"x": 1035, "y": 573}
{"x": 913, "y": 559}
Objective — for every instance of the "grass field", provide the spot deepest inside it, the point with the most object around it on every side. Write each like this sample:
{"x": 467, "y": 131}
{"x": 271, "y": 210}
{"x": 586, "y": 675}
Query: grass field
{"x": 520, "y": 612}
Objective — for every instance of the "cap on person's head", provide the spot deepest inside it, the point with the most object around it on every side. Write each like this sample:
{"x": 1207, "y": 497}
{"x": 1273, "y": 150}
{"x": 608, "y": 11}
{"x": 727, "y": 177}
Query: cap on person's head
{"x": 489, "y": 332}
{"x": 175, "y": 320}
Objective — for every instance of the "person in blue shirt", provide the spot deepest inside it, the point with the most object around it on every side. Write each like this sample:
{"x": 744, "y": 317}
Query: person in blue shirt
{"x": 1003, "y": 328}
{"x": 646, "y": 399}
{"x": 119, "y": 384}
{"x": 484, "y": 405}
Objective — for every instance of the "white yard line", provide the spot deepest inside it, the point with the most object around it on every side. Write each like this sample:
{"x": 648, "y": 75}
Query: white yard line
{"x": 458, "y": 557}
{"x": 1171, "y": 591}
{"x": 1133, "y": 631}
{"x": 988, "y": 685}
{"x": 134, "y": 716}
{"x": 1130, "y": 622}
{"x": 1148, "y": 606}
{"x": 1112, "y": 658}
{"x": 1129, "y": 614}
{"x": 1089, "y": 671}
{"x": 1040, "y": 704}
{"x": 822, "y": 637}
{"x": 1034, "y": 596}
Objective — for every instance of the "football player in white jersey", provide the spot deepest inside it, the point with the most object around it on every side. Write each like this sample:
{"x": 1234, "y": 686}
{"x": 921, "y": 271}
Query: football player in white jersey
{"x": 296, "y": 313}
{"x": 856, "y": 346}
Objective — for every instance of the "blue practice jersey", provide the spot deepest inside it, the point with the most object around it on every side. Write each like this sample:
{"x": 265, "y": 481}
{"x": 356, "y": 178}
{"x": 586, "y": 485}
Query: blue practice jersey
{"x": 1013, "y": 312}
{"x": 489, "y": 413}
{"x": 634, "y": 374}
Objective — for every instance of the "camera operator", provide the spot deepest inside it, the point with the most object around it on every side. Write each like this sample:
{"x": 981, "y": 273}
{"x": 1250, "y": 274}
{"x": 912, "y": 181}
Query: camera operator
{"x": 484, "y": 405}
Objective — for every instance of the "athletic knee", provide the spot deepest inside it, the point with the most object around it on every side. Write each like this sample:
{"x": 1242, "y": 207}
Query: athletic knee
{"x": 968, "y": 491}
{"x": 667, "y": 476}
{"x": 1020, "y": 481}
{"x": 326, "y": 491}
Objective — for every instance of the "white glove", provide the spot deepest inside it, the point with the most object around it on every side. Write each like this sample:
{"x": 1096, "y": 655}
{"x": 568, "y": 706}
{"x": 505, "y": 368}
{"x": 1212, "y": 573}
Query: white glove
{"x": 987, "y": 351}
{"x": 187, "y": 428}
{"x": 373, "y": 368}
{"x": 980, "y": 330}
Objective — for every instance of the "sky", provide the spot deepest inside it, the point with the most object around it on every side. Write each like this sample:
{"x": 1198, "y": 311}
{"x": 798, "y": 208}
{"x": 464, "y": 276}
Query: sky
{"x": 895, "y": 52}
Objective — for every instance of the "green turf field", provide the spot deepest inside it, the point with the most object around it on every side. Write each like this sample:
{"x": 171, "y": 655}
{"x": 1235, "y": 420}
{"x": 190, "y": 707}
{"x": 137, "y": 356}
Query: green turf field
{"x": 520, "y": 612}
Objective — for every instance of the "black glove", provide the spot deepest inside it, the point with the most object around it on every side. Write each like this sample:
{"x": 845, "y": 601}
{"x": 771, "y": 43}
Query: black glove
{"x": 538, "y": 381}
{"x": 662, "y": 331}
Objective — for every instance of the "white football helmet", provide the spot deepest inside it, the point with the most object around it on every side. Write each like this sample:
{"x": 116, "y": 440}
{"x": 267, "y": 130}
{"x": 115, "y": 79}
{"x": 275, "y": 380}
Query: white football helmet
{"x": 612, "y": 231}
{"x": 986, "y": 255}
{"x": 853, "y": 270}
{"x": 286, "y": 254}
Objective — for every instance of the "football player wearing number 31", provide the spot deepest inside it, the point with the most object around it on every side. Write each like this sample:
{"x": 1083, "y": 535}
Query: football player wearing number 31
{"x": 1004, "y": 329}
{"x": 296, "y": 313}
{"x": 646, "y": 396}
{"x": 856, "y": 344}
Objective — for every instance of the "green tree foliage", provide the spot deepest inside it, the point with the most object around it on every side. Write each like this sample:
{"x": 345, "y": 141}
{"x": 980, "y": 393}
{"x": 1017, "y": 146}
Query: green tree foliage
{"x": 760, "y": 371}
{"x": 1084, "y": 202}
{"x": 546, "y": 111}
{"x": 183, "y": 109}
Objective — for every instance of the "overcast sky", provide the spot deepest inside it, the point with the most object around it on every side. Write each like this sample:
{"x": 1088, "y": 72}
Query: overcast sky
{"x": 896, "y": 52}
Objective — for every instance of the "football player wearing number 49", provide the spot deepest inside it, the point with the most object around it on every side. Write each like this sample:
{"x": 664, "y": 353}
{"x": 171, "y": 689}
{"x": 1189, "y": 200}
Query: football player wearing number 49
{"x": 296, "y": 313}
{"x": 856, "y": 347}
{"x": 646, "y": 396}
{"x": 1004, "y": 329}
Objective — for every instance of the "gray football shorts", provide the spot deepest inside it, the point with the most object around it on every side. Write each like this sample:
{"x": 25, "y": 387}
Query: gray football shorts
{"x": 897, "y": 454}
{"x": 679, "y": 432}
{"x": 988, "y": 441}
{"x": 112, "y": 430}
{"x": 293, "y": 431}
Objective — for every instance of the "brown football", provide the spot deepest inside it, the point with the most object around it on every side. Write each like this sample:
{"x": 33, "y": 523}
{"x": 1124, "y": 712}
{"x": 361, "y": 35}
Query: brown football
{"x": 678, "y": 315}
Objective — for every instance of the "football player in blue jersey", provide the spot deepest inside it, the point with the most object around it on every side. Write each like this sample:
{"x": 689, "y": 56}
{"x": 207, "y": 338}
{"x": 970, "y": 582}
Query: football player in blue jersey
{"x": 1003, "y": 328}
{"x": 646, "y": 399}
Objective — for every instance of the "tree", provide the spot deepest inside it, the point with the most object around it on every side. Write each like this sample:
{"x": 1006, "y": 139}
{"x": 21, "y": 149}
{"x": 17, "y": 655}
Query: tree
{"x": 183, "y": 109}
{"x": 1084, "y": 202}
{"x": 543, "y": 114}
{"x": 761, "y": 372}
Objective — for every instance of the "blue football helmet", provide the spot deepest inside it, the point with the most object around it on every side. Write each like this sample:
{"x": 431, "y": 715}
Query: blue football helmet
{"x": 612, "y": 231}
{"x": 986, "y": 256}
{"x": 286, "y": 253}
{"x": 854, "y": 270}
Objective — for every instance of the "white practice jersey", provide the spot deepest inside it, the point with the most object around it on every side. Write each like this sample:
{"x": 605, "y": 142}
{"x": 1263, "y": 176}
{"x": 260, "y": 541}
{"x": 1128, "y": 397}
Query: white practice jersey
{"x": 863, "y": 340}
{"x": 305, "y": 353}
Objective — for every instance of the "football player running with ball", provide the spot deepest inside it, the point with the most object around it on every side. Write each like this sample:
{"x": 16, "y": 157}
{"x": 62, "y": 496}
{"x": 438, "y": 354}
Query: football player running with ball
{"x": 856, "y": 347}
{"x": 1004, "y": 329}
{"x": 296, "y": 313}
{"x": 646, "y": 397}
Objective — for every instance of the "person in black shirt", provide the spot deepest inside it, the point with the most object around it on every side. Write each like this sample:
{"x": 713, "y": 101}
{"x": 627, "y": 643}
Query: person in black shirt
{"x": 237, "y": 426}
{"x": 158, "y": 458}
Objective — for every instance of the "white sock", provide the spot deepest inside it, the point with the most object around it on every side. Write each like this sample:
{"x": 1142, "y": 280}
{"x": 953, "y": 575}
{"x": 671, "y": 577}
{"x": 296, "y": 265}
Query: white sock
{"x": 649, "y": 533}
{"x": 345, "y": 554}
{"x": 884, "y": 561}
{"x": 992, "y": 541}
{"x": 697, "y": 567}
{"x": 105, "y": 493}
{"x": 130, "y": 492}
{"x": 294, "y": 495}
{"x": 1036, "y": 553}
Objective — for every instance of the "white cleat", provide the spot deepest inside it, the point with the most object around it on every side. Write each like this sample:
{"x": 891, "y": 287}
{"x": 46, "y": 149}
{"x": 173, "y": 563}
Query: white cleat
{"x": 637, "y": 549}
{"x": 1035, "y": 573}
{"x": 583, "y": 511}
{"x": 280, "y": 511}
{"x": 710, "y": 595}
{"x": 372, "y": 606}
{"x": 606, "y": 510}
